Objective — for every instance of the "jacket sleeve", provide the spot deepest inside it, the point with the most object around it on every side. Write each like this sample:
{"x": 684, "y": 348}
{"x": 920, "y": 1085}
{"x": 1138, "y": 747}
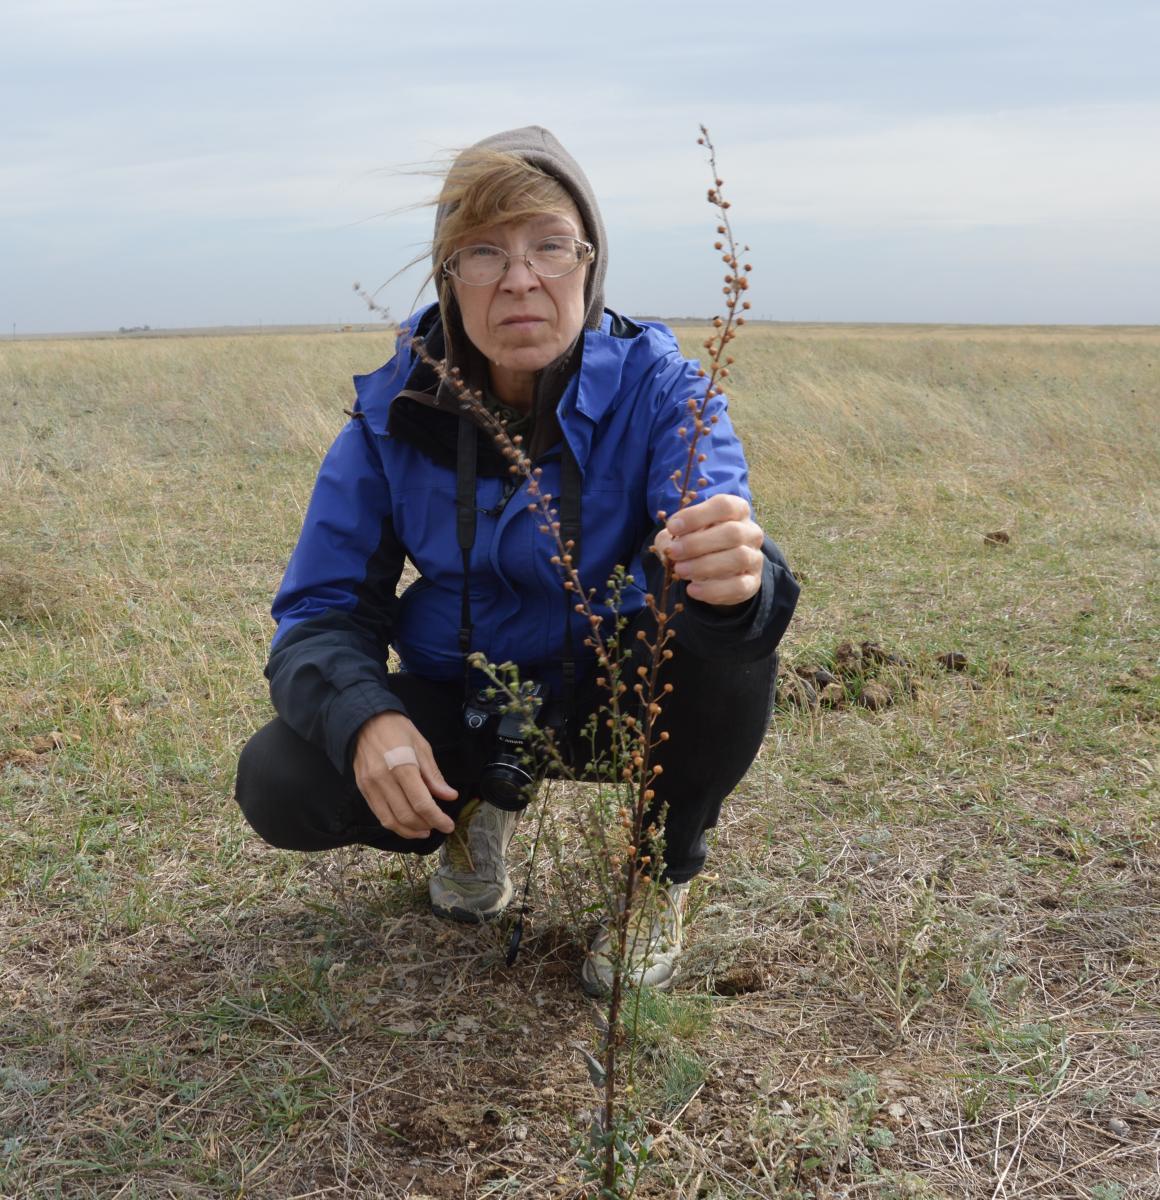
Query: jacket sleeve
{"x": 337, "y": 603}
{"x": 745, "y": 632}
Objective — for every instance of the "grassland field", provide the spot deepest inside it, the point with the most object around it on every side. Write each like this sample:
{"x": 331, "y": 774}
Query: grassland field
{"x": 924, "y": 963}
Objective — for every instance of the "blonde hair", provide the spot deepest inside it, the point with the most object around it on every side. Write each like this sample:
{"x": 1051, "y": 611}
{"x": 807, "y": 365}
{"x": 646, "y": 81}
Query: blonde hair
{"x": 483, "y": 187}
{"x": 488, "y": 187}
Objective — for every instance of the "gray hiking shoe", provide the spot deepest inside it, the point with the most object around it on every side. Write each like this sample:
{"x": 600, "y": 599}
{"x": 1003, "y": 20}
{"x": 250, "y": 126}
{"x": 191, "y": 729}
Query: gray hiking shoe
{"x": 655, "y": 932}
{"x": 471, "y": 883}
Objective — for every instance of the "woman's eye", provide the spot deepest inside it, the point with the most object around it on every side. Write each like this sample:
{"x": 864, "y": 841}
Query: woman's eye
{"x": 482, "y": 251}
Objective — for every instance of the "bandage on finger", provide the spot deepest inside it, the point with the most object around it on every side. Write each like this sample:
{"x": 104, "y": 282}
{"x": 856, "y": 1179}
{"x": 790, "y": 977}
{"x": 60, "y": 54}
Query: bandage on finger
{"x": 400, "y": 756}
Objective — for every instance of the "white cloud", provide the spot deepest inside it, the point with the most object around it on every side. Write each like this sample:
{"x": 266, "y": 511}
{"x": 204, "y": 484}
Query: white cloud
{"x": 1029, "y": 167}
{"x": 210, "y": 125}
{"x": 96, "y": 25}
{"x": 1054, "y": 166}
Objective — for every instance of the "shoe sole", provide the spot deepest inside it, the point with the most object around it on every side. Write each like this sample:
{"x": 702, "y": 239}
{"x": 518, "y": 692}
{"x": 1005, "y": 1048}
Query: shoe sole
{"x": 600, "y": 990}
{"x": 467, "y": 916}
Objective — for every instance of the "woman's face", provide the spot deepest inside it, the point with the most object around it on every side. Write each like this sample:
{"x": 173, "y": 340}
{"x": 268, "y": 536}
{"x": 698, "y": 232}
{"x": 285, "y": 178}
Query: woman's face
{"x": 522, "y": 322}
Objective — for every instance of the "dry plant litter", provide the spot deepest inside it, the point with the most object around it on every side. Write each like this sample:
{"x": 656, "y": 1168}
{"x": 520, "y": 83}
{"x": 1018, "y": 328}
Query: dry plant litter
{"x": 925, "y": 961}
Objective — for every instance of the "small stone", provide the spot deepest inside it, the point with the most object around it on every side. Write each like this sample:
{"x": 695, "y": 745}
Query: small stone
{"x": 1119, "y": 1128}
{"x": 874, "y": 697}
{"x": 818, "y": 677}
{"x": 999, "y": 538}
{"x": 19, "y": 756}
{"x": 952, "y": 660}
{"x": 798, "y": 692}
{"x": 848, "y": 659}
{"x": 43, "y": 743}
{"x": 833, "y": 695}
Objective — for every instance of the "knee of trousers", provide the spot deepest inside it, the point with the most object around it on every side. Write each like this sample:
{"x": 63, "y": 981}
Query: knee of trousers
{"x": 294, "y": 799}
{"x": 284, "y": 797}
{"x": 728, "y": 695}
{"x": 255, "y": 792}
{"x": 717, "y": 717}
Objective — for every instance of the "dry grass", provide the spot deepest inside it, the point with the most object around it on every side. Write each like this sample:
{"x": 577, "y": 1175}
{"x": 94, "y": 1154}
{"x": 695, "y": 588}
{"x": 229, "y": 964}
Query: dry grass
{"x": 925, "y": 963}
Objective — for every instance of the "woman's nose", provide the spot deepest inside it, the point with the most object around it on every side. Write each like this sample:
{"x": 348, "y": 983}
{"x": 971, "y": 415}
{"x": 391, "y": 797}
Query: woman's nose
{"x": 519, "y": 277}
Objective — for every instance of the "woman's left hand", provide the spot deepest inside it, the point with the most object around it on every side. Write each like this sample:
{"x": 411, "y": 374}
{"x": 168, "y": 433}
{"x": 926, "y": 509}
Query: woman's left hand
{"x": 716, "y": 546}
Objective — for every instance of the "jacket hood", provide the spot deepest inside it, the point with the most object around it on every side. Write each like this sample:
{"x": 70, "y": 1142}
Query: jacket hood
{"x": 537, "y": 146}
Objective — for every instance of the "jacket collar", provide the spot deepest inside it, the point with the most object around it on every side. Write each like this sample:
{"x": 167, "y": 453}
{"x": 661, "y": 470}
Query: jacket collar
{"x": 605, "y": 370}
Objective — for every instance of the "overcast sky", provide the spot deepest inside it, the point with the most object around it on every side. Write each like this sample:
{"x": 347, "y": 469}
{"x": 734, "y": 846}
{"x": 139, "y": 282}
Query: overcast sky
{"x": 245, "y": 161}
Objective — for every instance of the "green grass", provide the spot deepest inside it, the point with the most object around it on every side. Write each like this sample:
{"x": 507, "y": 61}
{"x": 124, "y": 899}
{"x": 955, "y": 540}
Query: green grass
{"x": 924, "y": 959}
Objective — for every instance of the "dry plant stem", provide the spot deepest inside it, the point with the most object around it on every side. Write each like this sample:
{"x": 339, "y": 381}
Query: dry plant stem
{"x": 641, "y": 736}
{"x": 664, "y": 608}
{"x": 471, "y": 402}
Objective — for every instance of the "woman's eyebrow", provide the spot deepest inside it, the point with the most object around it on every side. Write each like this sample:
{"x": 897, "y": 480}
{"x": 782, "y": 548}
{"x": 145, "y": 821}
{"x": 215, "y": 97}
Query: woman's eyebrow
{"x": 552, "y": 219}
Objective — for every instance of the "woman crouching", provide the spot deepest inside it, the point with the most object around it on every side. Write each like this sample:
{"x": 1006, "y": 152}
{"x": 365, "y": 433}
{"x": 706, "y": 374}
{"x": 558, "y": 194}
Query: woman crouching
{"x": 393, "y": 759}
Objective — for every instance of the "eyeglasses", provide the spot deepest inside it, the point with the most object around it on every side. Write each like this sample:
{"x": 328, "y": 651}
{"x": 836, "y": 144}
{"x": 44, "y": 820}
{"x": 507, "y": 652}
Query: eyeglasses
{"x": 550, "y": 258}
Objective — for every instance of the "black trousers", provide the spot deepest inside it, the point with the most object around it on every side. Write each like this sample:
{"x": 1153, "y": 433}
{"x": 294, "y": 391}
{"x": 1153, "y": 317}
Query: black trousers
{"x": 716, "y": 717}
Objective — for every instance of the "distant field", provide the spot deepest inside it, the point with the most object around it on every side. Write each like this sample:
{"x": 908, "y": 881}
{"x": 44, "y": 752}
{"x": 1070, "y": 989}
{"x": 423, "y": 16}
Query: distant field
{"x": 925, "y": 961}
{"x": 377, "y": 328}
{"x": 141, "y": 332}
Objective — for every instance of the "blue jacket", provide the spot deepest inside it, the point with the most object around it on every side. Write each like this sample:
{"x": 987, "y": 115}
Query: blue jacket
{"x": 383, "y": 496}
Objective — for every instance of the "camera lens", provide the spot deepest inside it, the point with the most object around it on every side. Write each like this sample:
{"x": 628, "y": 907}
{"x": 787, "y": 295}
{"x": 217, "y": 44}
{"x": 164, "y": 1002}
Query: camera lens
{"x": 506, "y": 784}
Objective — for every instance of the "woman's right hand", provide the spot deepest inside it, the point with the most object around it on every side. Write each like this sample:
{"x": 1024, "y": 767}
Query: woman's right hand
{"x": 402, "y": 797}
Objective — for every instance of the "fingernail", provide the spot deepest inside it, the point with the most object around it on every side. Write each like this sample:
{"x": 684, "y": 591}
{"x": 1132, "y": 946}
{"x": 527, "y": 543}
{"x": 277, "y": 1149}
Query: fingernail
{"x": 676, "y": 526}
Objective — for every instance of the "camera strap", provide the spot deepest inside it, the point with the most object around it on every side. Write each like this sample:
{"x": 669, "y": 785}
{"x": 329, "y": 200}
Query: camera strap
{"x": 465, "y": 529}
{"x": 570, "y": 483}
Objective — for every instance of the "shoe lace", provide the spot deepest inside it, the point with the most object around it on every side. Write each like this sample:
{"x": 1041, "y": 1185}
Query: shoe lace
{"x": 458, "y": 848}
{"x": 654, "y": 921}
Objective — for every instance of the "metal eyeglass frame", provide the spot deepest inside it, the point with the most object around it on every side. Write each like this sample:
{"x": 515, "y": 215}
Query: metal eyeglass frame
{"x": 589, "y": 253}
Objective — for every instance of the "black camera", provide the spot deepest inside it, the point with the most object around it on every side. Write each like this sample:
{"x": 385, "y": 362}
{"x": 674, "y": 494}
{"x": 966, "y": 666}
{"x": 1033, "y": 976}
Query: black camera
{"x": 509, "y": 776}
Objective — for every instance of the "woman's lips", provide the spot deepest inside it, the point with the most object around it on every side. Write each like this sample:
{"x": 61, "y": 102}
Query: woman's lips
{"x": 522, "y": 321}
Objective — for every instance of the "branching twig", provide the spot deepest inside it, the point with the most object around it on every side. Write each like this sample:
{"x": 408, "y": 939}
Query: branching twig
{"x": 635, "y": 736}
